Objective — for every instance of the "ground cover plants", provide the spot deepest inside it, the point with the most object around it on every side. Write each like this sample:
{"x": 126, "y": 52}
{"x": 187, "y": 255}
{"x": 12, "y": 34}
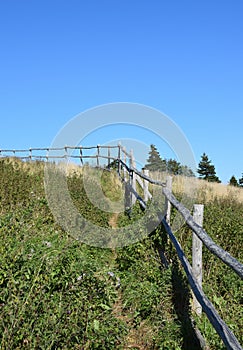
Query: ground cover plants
{"x": 58, "y": 293}
{"x": 223, "y": 213}
{"x": 55, "y": 292}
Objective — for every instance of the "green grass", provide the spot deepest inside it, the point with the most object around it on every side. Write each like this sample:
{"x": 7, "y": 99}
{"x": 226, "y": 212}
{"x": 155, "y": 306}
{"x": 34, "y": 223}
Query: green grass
{"x": 58, "y": 293}
{"x": 223, "y": 222}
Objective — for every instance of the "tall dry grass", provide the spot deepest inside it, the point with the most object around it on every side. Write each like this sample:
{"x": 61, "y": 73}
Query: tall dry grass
{"x": 202, "y": 191}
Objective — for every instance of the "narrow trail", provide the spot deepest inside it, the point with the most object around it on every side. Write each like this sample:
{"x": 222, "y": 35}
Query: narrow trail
{"x": 135, "y": 338}
{"x": 113, "y": 220}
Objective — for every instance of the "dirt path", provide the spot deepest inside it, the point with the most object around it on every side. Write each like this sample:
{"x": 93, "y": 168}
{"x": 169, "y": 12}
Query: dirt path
{"x": 113, "y": 220}
{"x": 136, "y": 337}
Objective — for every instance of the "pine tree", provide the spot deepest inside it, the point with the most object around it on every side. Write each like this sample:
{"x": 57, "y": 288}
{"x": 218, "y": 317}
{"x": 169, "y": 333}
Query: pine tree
{"x": 155, "y": 162}
{"x": 186, "y": 171}
{"x": 233, "y": 181}
{"x": 206, "y": 170}
{"x": 241, "y": 181}
{"x": 173, "y": 167}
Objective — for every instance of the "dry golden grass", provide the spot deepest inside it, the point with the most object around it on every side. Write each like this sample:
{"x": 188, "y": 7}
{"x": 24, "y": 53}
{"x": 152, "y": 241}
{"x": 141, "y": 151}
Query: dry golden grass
{"x": 202, "y": 191}
{"x": 35, "y": 166}
{"x": 29, "y": 166}
{"x": 71, "y": 168}
{"x": 210, "y": 191}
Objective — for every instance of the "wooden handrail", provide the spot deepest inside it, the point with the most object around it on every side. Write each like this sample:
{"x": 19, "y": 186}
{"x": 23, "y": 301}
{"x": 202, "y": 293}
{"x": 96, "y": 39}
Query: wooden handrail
{"x": 227, "y": 336}
{"x": 202, "y": 234}
{"x": 222, "y": 329}
{"x": 219, "y": 325}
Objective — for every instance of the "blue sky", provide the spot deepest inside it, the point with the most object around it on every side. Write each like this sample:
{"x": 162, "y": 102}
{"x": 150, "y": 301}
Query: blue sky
{"x": 184, "y": 58}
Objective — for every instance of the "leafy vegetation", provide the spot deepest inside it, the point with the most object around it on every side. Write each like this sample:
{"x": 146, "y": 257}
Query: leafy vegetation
{"x": 55, "y": 292}
{"x": 223, "y": 222}
{"x": 58, "y": 293}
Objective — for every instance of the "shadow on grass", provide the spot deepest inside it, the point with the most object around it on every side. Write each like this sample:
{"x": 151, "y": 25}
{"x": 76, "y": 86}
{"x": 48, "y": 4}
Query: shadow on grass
{"x": 181, "y": 302}
{"x": 180, "y": 292}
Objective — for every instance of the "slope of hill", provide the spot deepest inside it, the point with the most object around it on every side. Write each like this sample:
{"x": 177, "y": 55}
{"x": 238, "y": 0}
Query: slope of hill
{"x": 57, "y": 293}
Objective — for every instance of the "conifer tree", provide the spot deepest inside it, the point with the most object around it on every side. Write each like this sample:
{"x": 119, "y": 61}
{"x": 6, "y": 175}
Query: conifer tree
{"x": 186, "y": 171}
{"x": 154, "y": 161}
{"x": 233, "y": 181}
{"x": 173, "y": 167}
{"x": 206, "y": 169}
{"x": 241, "y": 181}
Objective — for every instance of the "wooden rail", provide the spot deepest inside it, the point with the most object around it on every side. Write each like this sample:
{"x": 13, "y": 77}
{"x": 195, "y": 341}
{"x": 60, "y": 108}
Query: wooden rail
{"x": 219, "y": 325}
{"x": 125, "y": 163}
{"x": 200, "y": 236}
{"x": 204, "y": 237}
{"x": 65, "y": 152}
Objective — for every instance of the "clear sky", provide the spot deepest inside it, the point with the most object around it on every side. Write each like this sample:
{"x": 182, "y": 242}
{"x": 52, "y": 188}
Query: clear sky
{"x": 184, "y": 58}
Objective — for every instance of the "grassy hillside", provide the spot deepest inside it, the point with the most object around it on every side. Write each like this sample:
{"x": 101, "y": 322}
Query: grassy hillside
{"x": 57, "y": 293}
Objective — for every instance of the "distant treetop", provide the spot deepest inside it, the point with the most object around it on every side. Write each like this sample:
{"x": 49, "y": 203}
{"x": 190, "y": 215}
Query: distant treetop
{"x": 206, "y": 170}
{"x": 156, "y": 163}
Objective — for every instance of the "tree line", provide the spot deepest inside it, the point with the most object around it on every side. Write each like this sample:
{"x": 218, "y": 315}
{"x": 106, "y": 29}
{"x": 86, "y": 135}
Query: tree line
{"x": 206, "y": 170}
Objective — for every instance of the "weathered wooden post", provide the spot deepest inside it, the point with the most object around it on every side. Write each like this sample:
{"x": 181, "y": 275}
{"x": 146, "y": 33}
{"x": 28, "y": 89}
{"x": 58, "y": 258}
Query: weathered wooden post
{"x": 30, "y": 154}
{"x": 119, "y": 158}
{"x": 98, "y": 155}
{"x": 81, "y": 154}
{"x": 197, "y": 255}
{"x": 125, "y": 161}
{"x": 66, "y": 153}
{"x": 167, "y": 202}
{"x": 109, "y": 157}
{"x": 133, "y": 179}
{"x": 146, "y": 186}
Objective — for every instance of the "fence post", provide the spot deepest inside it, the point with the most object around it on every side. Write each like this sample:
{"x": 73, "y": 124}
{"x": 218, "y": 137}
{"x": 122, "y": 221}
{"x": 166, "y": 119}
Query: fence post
{"x": 197, "y": 255}
{"x": 98, "y": 155}
{"x": 119, "y": 158}
{"x": 125, "y": 161}
{"x": 133, "y": 179}
{"x": 66, "y": 153}
{"x": 146, "y": 186}
{"x": 81, "y": 153}
{"x": 167, "y": 202}
{"x": 109, "y": 157}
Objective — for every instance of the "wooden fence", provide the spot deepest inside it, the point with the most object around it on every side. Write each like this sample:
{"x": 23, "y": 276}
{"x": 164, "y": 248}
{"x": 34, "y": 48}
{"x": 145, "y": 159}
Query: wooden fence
{"x": 125, "y": 164}
{"x": 74, "y": 153}
{"x": 200, "y": 236}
